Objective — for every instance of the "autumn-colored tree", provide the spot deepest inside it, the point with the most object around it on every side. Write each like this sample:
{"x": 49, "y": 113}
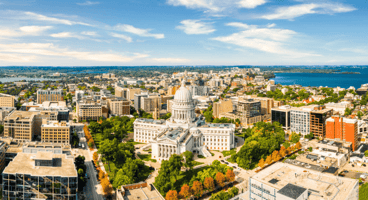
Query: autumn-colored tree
{"x": 230, "y": 176}
{"x": 106, "y": 186}
{"x": 288, "y": 150}
{"x": 220, "y": 179}
{"x": 268, "y": 160}
{"x": 185, "y": 191}
{"x": 101, "y": 175}
{"x": 209, "y": 184}
{"x": 197, "y": 189}
{"x": 172, "y": 195}
{"x": 274, "y": 155}
{"x": 95, "y": 156}
{"x": 261, "y": 163}
{"x": 282, "y": 151}
{"x": 298, "y": 145}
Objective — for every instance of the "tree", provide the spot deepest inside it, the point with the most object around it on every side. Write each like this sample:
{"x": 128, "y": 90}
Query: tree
{"x": 348, "y": 111}
{"x": 268, "y": 160}
{"x": 209, "y": 184}
{"x": 282, "y": 151}
{"x": 230, "y": 176}
{"x": 288, "y": 151}
{"x": 185, "y": 191}
{"x": 233, "y": 192}
{"x": 222, "y": 195}
{"x": 359, "y": 114}
{"x": 172, "y": 195}
{"x": 197, "y": 189}
{"x": 188, "y": 158}
{"x": 95, "y": 156}
{"x": 261, "y": 163}
{"x": 101, "y": 175}
{"x": 220, "y": 179}
{"x": 131, "y": 172}
{"x": 298, "y": 145}
{"x": 366, "y": 153}
{"x": 274, "y": 155}
{"x": 106, "y": 186}
{"x": 294, "y": 137}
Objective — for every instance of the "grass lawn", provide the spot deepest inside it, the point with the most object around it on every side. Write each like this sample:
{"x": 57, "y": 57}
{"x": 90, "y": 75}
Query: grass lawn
{"x": 113, "y": 169}
{"x": 148, "y": 150}
{"x": 228, "y": 153}
{"x": 146, "y": 157}
{"x": 135, "y": 143}
{"x": 200, "y": 156}
{"x": 240, "y": 135}
{"x": 195, "y": 163}
{"x": 97, "y": 138}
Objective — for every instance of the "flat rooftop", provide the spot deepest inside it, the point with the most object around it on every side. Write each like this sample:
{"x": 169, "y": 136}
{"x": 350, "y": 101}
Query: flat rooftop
{"x": 141, "y": 193}
{"x": 309, "y": 179}
{"x": 21, "y": 115}
{"x": 24, "y": 163}
{"x": 151, "y": 121}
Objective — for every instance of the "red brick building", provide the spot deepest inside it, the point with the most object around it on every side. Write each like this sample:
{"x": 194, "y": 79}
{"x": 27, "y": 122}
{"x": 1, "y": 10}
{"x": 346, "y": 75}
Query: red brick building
{"x": 343, "y": 129}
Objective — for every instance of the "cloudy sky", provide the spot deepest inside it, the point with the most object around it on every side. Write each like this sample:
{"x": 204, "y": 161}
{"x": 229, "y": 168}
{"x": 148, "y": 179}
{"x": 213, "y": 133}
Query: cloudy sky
{"x": 183, "y": 32}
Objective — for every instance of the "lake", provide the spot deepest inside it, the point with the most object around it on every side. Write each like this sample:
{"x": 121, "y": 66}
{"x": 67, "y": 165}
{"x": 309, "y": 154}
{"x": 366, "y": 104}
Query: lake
{"x": 15, "y": 79}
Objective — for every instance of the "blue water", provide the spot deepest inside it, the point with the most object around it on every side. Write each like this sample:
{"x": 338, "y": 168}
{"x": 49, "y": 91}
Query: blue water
{"x": 14, "y": 79}
{"x": 330, "y": 80}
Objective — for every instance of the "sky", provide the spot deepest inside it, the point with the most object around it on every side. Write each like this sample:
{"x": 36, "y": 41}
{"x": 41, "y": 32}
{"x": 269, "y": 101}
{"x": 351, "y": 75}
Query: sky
{"x": 183, "y": 32}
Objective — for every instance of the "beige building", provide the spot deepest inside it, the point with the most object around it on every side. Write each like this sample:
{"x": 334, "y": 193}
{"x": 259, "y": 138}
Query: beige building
{"x": 127, "y": 93}
{"x": 223, "y": 106}
{"x": 20, "y": 125}
{"x": 7, "y": 100}
{"x": 88, "y": 109}
{"x": 55, "y": 132}
{"x": 149, "y": 104}
{"x": 118, "y": 106}
{"x": 49, "y": 95}
{"x": 108, "y": 76}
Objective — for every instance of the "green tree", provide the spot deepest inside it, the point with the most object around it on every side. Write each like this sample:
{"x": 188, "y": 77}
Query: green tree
{"x": 222, "y": 195}
{"x": 366, "y": 153}
{"x": 188, "y": 159}
{"x": 294, "y": 138}
{"x": 348, "y": 111}
{"x": 359, "y": 114}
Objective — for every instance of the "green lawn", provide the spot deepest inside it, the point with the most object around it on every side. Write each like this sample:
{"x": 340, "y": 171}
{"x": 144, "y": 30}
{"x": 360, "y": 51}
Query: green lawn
{"x": 363, "y": 191}
{"x": 113, "y": 170}
{"x": 135, "y": 143}
{"x": 97, "y": 138}
{"x": 240, "y": 135}
{"x": 148, "y": 150}
{"x": 195, "y": 163}
{"x": 200, "y": 156}
{"x": 146, "y": 157}
{"x": 228, "y": 153}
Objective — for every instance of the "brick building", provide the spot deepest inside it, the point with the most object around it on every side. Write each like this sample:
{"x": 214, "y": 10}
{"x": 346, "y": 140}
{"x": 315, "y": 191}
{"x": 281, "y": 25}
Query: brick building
{"x": 343, "y": 129}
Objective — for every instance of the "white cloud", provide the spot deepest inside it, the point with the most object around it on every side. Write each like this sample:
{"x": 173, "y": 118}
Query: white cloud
{"x": 33, "y": 50}
{"x": 251, "y": 3}
{"x": 16, "y": 58}
{"x": 214, "y": 7}
{"x": 170, "y": 60}
{"x": 291, "y": 12}
{"x": 270, "y": 40}
{"x": 137, "y": 31}
{"x": 88, "y": 3}
{"x": 34, "y": 30}
{"x": 121, "y": 36}
{"x": 54, "y": 20}
{"x": 67, "y": 35}
{"x": 195, "y": 27}
{"x": 23, "y": 31}
{"x": 90, "y": 33}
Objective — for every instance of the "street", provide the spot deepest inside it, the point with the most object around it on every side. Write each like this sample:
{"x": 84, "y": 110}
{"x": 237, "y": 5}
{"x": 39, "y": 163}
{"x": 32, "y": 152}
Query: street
{"x": 92, "y": 182}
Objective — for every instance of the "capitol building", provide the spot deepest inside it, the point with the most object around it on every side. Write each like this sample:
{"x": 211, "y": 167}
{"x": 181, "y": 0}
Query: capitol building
{"x": 184, "y": 131}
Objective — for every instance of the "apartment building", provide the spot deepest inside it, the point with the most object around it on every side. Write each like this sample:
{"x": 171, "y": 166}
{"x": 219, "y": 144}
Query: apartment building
{"x": 249, "y": 107}
{"x": 318, "y": 117}
{"x": 41, "y": 175}
{"x": 87, "y": 109}
{"x": 21, "y": 125}
{"x": 171, "y": 90}
{"x": 343, "y": 129}
{"x": 118, "y": 106}
{"x": 300, "y": 119}
{"x": 282, "y": 116}
{"x": 127, "y": 93}
{"x": 4, "y": 112}
{"x": 222, "y": 106}
{"x": 7, "y": 100}
{"x": 108, "y": 75}
{"x": 49, "y": 95}
{"x": 3, "y": 148}
{"x": 55, "y": 132}
{"x": 282, "y": 181}
{"x": 150, "y": 103}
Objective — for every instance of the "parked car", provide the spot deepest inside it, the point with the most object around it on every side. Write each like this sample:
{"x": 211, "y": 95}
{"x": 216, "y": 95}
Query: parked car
{"x": 363, "y": 176}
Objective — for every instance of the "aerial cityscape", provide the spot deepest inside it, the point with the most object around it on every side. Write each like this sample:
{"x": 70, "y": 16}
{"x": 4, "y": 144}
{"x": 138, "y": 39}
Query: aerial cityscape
{"x": 183, "y": 99}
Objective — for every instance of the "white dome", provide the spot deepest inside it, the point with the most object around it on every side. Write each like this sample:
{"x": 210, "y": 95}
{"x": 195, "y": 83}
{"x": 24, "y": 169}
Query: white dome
{"x": 183, "y": 95}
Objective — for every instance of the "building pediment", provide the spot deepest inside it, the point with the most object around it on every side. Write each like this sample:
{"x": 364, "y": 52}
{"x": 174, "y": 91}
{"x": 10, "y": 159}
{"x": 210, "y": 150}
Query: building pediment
{"x": 166, "y": 141}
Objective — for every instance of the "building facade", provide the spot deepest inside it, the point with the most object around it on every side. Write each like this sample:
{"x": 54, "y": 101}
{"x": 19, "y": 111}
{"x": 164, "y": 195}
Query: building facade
{"x": 20, "y": 125}
{"x": 343, "y": 129}
{"x": 119, "y": 106}
{"x": 88, "y": 109}
{"x": 49, "y": 95}
{"x": 55, "y": 132}
{"x": 222, "y": 106}
{"x": 318, "y": 118}
{"x": 300, "y": 120}
{"x": 7, "y": 100}
{"x": 282, "y": 116}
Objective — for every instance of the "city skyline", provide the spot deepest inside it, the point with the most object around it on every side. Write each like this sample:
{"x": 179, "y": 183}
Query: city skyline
{"x": 182, "y": 32}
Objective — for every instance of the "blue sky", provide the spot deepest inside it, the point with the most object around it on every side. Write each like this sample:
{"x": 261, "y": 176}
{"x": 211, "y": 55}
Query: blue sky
{"x": 183, "y": 32}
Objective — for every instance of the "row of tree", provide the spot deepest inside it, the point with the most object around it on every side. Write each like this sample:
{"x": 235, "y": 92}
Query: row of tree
{"x": 278, "y": 155}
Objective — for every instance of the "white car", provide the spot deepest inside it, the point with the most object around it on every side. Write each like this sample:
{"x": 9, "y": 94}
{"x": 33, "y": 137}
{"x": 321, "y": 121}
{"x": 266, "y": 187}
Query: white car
{"x": 363, "y": 176}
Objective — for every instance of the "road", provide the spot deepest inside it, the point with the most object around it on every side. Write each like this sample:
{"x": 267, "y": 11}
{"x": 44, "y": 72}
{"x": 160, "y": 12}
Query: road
{"x": 92, "y": 183}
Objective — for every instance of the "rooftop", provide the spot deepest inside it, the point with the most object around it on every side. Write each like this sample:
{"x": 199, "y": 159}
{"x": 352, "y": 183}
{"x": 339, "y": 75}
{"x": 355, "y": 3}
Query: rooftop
{"x": 292, "y": 191}
{"x": 319, "y": 184}
{"x": 23, "y": 163}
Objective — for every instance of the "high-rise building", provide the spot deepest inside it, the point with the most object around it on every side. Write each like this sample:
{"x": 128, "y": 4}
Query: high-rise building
{"x": 127, "y": 93}
{"x": 138, "y": 100}
{"x": 88, "y": 109}
{"x": 20, "y": 125}
{"x": 43, "y": 175}
{"x": 249, "y": 107}
{"x": 55, "y": 132}
{"x": 222, "y": 106}
{"x": 49, "y": 95}
{"x": 118, "y": 106}
{"x": 300, "y": 119}
{"x": 318, "y": 117}
{"x": 7, "y": 100}
{"x": 150, "y": 103}
{"x": 343, "y": 129}
{"x": 282, "y": 116}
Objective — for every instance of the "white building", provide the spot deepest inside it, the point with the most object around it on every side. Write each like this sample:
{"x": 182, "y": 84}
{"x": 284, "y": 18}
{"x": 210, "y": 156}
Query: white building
{"x": 184, "y": 131}
{"x": 300, "y": 119}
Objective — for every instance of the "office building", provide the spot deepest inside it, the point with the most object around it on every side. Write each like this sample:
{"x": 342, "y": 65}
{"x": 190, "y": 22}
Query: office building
{"x": 222, "y": 106}
{"x": 4, "y": 112}
{"x": 7, "y": 100}
{"x": 118, "y": 106}
{"x": 88, "y": 109}
{"x": 127, "y": 93}
{"x": 138, "y": 100}
{"x": 249, "y": 108}
{"x": 3, "y": 148}
{"x": 55, "y": 132}
{"x": 21, "y": 125}
{"x": 318, "y": 117}
{"x": 43, "y": 175}
{"x": 151, "y": 102}
{"x": 343, "y": 129}
{"x": 108, "y": 75}
{"x": 282, "y": 181}
{"x": 282, "y": 116}
{"x": 300, "y": 119}
{"x": 49, "y": 95}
